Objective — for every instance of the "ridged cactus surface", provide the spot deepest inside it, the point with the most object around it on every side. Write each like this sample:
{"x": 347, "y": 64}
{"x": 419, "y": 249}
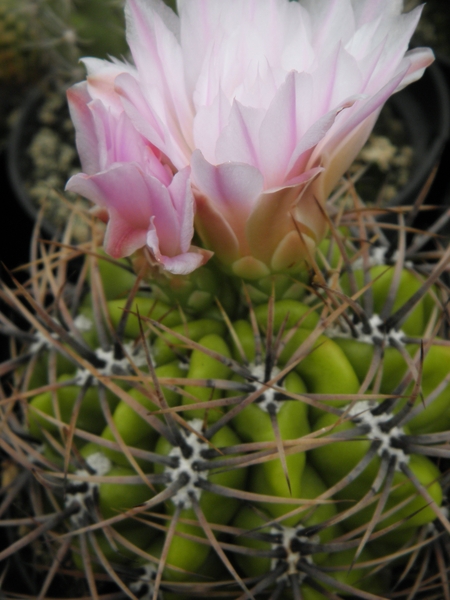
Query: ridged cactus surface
{"x": 214, "y": 438}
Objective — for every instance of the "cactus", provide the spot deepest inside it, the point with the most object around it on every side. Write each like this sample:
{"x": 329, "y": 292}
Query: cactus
{"x": 210, "y": 438}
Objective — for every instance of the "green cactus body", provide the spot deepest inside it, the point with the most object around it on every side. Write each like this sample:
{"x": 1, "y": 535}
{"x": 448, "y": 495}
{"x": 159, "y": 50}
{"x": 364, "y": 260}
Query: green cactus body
{"x": 283, "y": 449}
{"x": 202, "y": 366}
{"x": 186, "y": 554}
{"x": 90, "y": 416}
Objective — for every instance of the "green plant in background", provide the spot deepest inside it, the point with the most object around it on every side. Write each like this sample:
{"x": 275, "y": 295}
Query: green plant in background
{"x": 38, "y": 37}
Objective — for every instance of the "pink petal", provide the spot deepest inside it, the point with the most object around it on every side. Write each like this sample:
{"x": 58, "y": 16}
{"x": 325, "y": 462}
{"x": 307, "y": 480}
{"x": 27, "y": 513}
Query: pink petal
{"x": 347, "y": 123}
{"x": 396, "y": 33}
{"x": 180, "y": 191}
{"x": 181, "y": 264}
{"x": 122, "y": 238}
{"x": 173, "y": 212}
{"x": 215, "y": 231}
{"x": 267, "y": 101}
{"x": 123, "y": 188}
{"x": 208, "y": 125}
{"x": 239, "y": 140}
{"x": 419, "y": 59}
{"x": 86, "y": 139}
{"x": 277, "y": 213}
{"x": 283, "y": 125}
{"x": 143, "y": 116}
{"x": 152, "y": 36}
{"x": 370, "y": 10}
{"x": 312, "y": 137}
{"x": 294, "y": 124}
{"x": 337, "y": 159}
{"x": 331, "y": 22}
{"x": 337, "y": 78}
{"x": 232, "y": 187}
{"x": 201, "y": 26}
{"x": 101, "y": 77}
{"x": 130, "y": 198}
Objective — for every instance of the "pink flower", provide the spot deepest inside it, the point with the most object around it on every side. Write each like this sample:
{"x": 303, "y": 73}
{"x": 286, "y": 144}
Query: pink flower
{"x": 267, "y": 101}
{"x": 145, "y": 204}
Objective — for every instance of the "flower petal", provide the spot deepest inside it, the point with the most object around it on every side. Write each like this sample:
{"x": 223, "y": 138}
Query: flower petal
{"x": 215, "y": 231}
{"x": 122, "y": 238}
{"x": 239, "y": 140}
{"x": 277, "y": 213}
{"x": 267, "y": 101}
{"x": 101, "y": 75}
{"x": 144, "y": 118}
{"x": 180, "y": 264}
{"x": 86, "y": 139}
{"x": 152, "y": 31}
{"x": 233, "y": 188}
{"x": 208, "y": 125}
{"x": 138, "y": 203}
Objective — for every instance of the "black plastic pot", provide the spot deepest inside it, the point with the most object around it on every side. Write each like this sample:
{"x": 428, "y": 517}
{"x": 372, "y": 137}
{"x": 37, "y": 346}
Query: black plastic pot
{"x": 15, "y": 235}
{"x": 19, "y": 161}
{"x": 440, "y": 190}
{"x": 424, "y": 108}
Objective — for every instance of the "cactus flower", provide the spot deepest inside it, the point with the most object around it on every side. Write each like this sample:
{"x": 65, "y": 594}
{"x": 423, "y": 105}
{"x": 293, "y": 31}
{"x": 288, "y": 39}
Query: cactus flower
{"x": 137, "y": 193}
{"x": 266, "y": 101}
